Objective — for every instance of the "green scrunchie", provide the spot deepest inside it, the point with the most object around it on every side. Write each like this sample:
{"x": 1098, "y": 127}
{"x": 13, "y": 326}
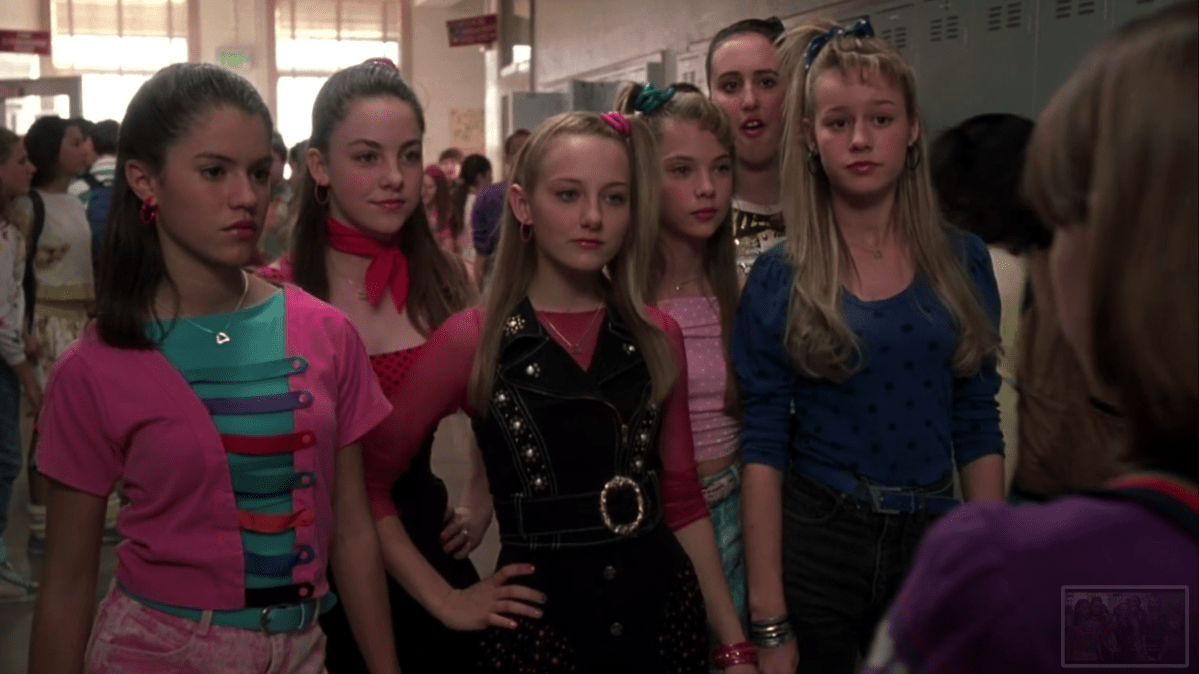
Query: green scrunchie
{"x": 651, "y": 98}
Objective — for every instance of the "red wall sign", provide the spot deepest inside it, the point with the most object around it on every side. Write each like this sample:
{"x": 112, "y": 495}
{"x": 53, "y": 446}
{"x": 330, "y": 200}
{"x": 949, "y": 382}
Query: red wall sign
{"x": 25, "y": 41}
{"x": 475, "y": 30}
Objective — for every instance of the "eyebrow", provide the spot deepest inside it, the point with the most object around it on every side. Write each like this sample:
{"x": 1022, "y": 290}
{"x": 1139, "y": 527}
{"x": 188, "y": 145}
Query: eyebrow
{"x": 216, "y": 156}
{"x": 839, "y": 108}
{"x": 379, "y": 146}
{"x": 687, "y": 157}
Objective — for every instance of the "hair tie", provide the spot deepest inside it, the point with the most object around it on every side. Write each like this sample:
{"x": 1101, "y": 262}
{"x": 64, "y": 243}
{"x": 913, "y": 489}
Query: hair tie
{"x": 650, "y": 99}
{"x": 383, "y": 61}
{"x": 860, "y": 29}
{"x": 618, "y": 121}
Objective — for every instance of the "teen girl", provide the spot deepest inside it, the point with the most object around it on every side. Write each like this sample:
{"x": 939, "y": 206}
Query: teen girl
{"x": 1103, "y": 168}
{"x": 16, "y": 371}
{"x": 744, "y": 80}
{"x": 694, "y": 279}
{"x": 879, "y": 325}
{"x": 228, "y": 407}
{"x": 435, "y": 194}
{"x": 60, "y": 290}
{"x": 578, "y": 395}
{"x": 362, "y": 243}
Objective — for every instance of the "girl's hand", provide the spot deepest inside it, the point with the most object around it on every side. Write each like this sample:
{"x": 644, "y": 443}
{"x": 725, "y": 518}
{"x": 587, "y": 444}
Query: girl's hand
{"x": 781, "y": 660}
{"x": 489, "y": 602}
{"x": 464, "y": 530}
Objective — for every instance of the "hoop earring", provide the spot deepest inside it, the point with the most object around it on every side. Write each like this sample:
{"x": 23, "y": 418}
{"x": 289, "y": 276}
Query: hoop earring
{"x": 813, "y": 162}
{"x": 149, "y": 211}
{"x": 526, "y": 231}
{"x": 316, "y": 193}
{"x": 913, "y": 157}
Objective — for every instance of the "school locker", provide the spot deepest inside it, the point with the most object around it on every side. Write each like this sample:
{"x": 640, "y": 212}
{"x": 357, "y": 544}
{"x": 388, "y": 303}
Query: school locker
{"x": 1066, "y": 31}
{"x": 1002, "y": 57}
{"x": 944, "y": 84}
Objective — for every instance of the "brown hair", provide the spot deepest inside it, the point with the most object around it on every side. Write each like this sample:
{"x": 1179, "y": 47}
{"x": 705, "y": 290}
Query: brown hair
{"x": 438, "y": 285}
{"x": 720, "y": 253}
{"x": 820, "y": 341}
{"x": 1117, "y": 152}
{"x": 9, "y": 143}
{"x": 516, "y": 260}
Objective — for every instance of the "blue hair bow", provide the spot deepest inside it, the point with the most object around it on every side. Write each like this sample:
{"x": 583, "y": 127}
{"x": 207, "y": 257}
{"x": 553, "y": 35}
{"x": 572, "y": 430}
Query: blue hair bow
{"x": 650, "y": 98}
{"x": 860, "y": 29}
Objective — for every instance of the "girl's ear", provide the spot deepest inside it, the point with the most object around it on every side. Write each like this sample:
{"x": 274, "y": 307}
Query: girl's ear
{"x": 317, "y": 166}
{"x": 520, "y": 204}
{"x": 141, "y": 180}
{"x": 809, "y": 136}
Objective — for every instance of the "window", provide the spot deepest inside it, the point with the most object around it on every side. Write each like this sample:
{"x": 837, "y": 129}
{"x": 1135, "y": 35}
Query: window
{"x": 115, "y": 45}
{"x": 316, "y": 38}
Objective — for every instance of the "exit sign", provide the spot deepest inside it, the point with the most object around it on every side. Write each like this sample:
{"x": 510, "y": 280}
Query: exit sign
{"x": 25, "y": 41}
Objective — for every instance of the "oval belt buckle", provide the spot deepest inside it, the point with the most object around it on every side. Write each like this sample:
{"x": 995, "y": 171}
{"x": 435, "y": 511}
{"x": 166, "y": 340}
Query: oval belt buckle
{"x": 622, "y": 482}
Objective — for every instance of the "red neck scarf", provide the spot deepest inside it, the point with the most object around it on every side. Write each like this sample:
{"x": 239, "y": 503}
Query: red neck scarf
{"x": 388, "y": 268}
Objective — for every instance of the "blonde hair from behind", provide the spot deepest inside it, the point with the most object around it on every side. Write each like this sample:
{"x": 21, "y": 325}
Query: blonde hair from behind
{"x": 1117, "y": 152}
{"x": 819, "y": 340}
{"x": 720, "y": 255}
{"x": 516, "y": 260}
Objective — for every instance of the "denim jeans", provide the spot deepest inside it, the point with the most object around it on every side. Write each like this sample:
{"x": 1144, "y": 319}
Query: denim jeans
{"x": 10, "y": 442}
{"x": 842, "y": 566}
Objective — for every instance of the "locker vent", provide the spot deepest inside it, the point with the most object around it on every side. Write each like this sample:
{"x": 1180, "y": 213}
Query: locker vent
{"x": 901, "y": 37}
{"x": 1086, "y": 7}
{"x": 994, "y": 18}
{"x": 934, "y": 30}
{"x": 1061, "y": 9}
{"x": 1015, "y": 14}
{"x": 1145, "y": 2}
{"x": 952, "y": 31}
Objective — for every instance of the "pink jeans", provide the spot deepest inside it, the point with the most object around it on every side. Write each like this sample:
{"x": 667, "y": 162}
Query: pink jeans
{"x": 131, "y": 638}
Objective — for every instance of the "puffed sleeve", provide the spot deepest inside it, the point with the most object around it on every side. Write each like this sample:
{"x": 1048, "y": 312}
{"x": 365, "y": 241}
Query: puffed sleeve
{"x": 766, "y": 379}
{"x": 77, "y": 444}
{"x": 975, "y": 406}
{"x": 434, "y": 388}
{"x": 361, "y": 404}
{"x": 682, "y": 498}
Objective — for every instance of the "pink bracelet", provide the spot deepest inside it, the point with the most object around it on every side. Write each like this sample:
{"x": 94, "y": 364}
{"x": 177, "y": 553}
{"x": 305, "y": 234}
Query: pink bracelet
{"x": 744, "y": 653}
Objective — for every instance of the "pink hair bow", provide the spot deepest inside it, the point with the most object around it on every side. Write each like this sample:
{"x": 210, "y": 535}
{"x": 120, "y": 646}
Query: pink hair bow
{"x": 619, "y": 122}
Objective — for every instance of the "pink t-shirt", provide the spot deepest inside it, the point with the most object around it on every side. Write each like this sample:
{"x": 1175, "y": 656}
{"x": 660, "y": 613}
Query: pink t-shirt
{"x": 128, "y": 414}
{"x": 715, "y": 432}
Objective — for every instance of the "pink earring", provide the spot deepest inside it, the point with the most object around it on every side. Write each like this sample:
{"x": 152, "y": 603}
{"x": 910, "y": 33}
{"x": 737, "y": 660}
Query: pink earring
{"x": 149, "y": 211}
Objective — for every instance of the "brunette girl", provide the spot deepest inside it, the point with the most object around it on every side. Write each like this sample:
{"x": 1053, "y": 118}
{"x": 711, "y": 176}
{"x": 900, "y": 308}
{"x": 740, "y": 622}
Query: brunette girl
{"x": 16, "y": 372}
{"x": 435, "y": 194}
{"x": 743, "y": 79}
{"x": 236, "y": 440}
{"x": 578, "y": 395}
{"x": 1103, "y": 168}
{"x": 363, "y": 244}
{"x": 694, "y": 279}
{"x": 878, "y": 324}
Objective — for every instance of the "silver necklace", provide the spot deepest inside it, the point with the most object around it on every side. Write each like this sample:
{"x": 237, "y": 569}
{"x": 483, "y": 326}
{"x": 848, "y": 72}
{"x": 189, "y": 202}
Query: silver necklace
{"x": 575, "y": 347}
{"x": 222, "y": 337}
{"x": 679, "y": 286}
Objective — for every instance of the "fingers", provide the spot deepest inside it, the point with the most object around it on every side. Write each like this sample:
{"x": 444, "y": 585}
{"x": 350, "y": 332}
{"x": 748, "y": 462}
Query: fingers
{"x": 511, "y": 571}
{"x": 523, "y": 593}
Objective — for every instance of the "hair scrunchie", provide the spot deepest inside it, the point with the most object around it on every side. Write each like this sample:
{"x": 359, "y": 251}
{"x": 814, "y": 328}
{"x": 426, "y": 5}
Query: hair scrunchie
{"x": 650, "y": 99}
{"x": 617, "y": 121}
{"x": 861, "y": 29}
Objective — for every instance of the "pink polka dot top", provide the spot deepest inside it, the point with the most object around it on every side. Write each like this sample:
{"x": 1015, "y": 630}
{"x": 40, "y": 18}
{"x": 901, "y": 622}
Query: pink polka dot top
{"x": 714, "y": 432}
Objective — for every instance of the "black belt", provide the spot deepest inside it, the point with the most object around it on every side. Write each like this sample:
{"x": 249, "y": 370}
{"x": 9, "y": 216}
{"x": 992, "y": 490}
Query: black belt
{"x": 624, "y": 508}
{"x": 887, "y": 500}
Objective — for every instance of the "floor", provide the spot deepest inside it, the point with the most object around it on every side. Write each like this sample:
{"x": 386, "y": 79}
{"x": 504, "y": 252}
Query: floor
{"x": 449, "y": 461}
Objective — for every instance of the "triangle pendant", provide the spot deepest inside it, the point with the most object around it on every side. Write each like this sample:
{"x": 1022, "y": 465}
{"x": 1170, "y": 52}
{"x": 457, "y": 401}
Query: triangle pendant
{"x": 222, "y": 338}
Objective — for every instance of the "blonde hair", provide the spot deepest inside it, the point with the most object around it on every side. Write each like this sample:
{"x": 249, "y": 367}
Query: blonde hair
{"x": 623, "y": 277}
{"x": 1117, "y": 152}
{"x": 820, "y": 341}
{"x": 720, "y": 254}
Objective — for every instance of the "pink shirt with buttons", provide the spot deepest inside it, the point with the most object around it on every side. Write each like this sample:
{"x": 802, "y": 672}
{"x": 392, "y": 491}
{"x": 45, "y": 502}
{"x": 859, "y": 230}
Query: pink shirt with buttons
{"x": 128, "y": 414}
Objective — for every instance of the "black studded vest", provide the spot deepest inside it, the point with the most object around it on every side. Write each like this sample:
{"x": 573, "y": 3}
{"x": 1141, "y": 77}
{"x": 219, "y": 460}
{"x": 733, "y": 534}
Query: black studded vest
{"x": 555, "y": 436}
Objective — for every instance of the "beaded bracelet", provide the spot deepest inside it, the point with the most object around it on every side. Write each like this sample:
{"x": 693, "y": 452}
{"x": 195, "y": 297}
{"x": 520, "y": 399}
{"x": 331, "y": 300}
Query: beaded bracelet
{"x": 743, "y": 653}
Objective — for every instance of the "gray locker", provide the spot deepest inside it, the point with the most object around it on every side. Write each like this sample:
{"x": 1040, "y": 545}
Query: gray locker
{"x": 593, "y": 96}
{"x": 530, "y": 109}
{"x": 1003, "y": 57}
{"x": 1067, "y": 30}
{"x": 944, "y": 87}
{"x": 896, "y": 24}
{"x": 1123, "y": 11}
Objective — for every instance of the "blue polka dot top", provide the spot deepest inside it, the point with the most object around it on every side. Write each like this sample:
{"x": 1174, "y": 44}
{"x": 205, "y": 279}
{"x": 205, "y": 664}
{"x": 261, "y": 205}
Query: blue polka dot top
{"x": 903, "y": 418}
